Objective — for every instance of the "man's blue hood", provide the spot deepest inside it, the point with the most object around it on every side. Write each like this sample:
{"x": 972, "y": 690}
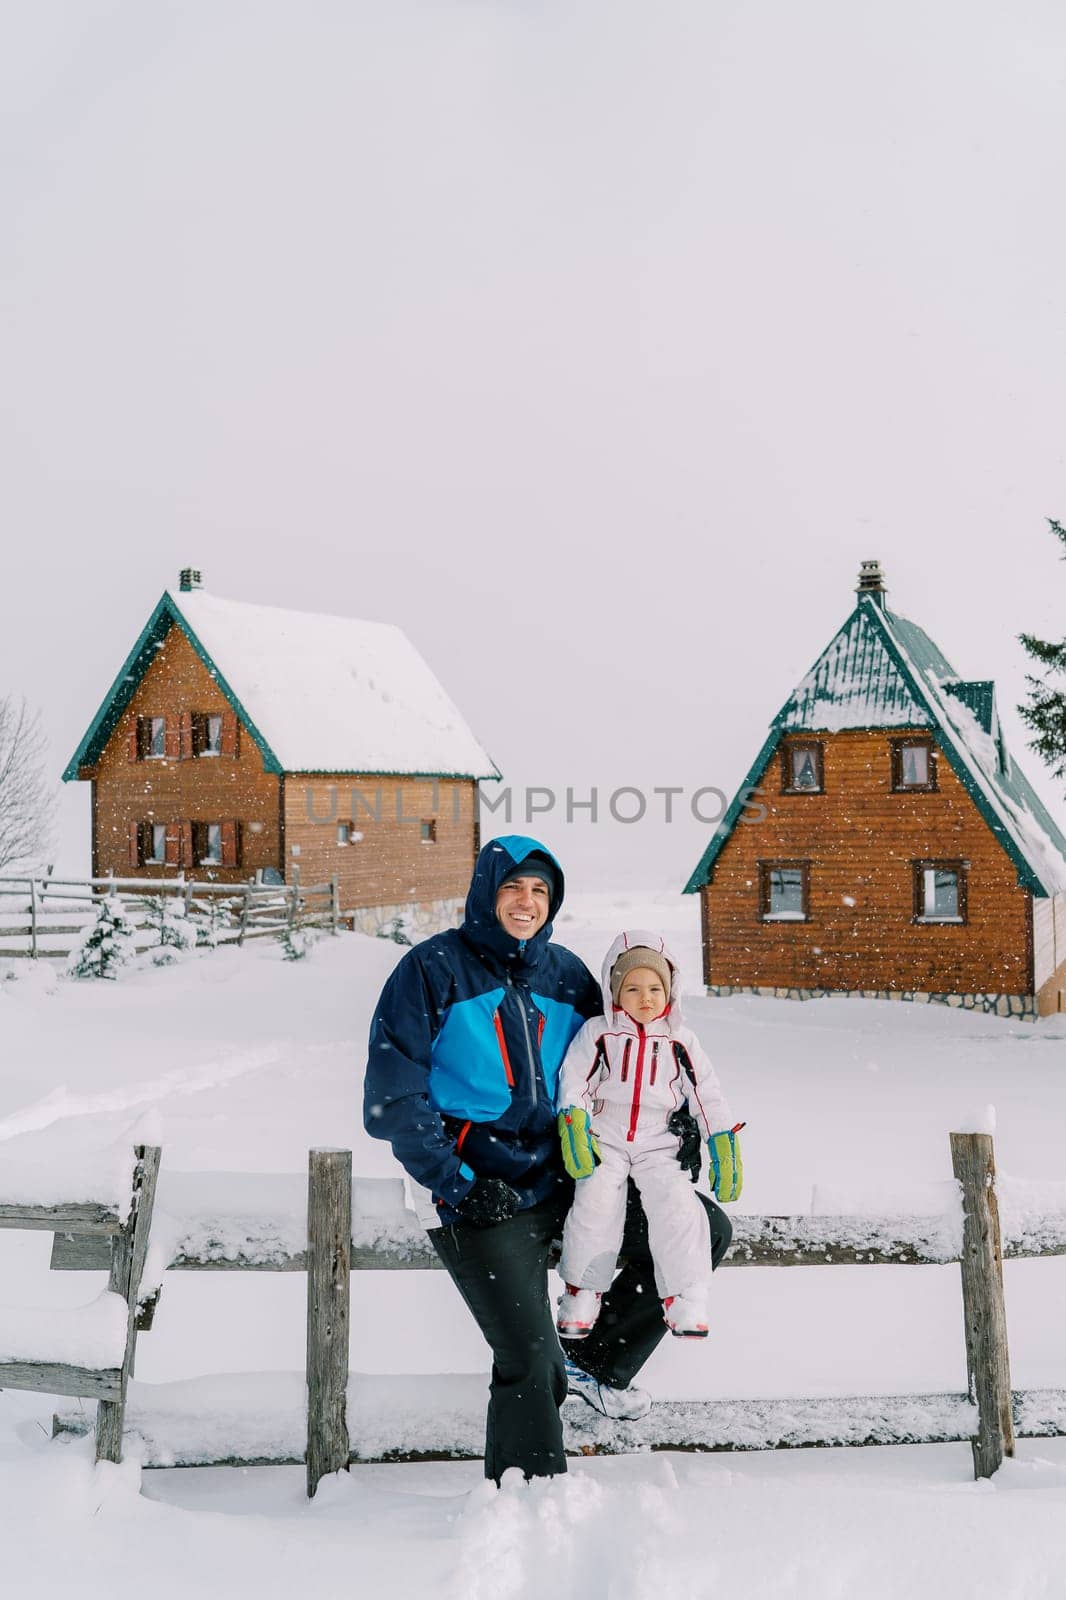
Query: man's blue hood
{"x": 480, "y": 926}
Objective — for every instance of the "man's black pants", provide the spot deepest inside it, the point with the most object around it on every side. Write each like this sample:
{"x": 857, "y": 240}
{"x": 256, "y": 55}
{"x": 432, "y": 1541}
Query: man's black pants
{"x": 502, "y": 1274}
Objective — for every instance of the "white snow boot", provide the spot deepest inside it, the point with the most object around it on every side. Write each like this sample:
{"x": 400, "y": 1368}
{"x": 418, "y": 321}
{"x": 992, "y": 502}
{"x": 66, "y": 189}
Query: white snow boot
{"x": 578, "y": 1310}
{"x": 686, "y": 1314}
{"x": 621, "y": 1405}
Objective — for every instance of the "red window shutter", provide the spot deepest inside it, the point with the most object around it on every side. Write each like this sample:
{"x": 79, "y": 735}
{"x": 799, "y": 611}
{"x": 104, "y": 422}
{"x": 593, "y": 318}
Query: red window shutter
{"x": 185, "y": 857}
{"x": 231, "y": 735}
{"x": 135, "y": 844}
{"x": 173, "y": 843}
{"x": 231, "y": 844}
{"x": 171, "y": 741}
{"x": 133, "y": 743}
{"x": 185, "y": 748}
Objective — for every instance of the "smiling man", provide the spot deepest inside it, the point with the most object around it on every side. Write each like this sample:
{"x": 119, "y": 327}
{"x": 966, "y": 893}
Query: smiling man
{"x": 465, "y": 1049}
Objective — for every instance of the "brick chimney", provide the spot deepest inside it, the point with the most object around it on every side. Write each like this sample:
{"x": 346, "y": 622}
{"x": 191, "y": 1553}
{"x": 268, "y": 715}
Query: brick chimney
{"x": 872, "y": 582}
{"x": 189, "y": 579}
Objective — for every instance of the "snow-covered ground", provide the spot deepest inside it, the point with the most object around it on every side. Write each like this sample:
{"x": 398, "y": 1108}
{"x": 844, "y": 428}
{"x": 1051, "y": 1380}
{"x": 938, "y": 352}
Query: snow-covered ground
{"x": 239, "y": 1062}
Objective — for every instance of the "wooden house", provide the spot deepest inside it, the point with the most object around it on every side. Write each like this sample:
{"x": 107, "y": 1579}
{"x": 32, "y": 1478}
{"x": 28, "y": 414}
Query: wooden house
{"x": 240, "y": 741}
{"x": 885, "y": 842}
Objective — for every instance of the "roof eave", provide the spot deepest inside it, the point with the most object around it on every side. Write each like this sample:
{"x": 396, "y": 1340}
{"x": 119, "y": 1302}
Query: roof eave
{"x": 165, "y": 616}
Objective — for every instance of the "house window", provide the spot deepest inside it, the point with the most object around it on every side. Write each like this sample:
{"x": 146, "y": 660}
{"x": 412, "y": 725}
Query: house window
{"x": 801, "y": 768}
{"x": 153, "y": 736}
{"x": 912, "y": 765}
{"x": 207, "y": 843}
{"x": 207, "y": 735}
{"x": 784, "y": 891}
{"x": 155, "y": 843}
{"x": 940, "y": 891}
{"x": 344, "y": 833}
{"x": 428, "y": 830}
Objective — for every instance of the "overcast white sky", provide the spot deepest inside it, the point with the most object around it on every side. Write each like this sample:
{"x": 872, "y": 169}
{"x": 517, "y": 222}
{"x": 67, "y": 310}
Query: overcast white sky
{"x": 594, "y": 343}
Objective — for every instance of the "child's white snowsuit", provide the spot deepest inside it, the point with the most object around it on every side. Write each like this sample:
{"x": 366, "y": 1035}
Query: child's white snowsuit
{"x": 630, "y": 1077}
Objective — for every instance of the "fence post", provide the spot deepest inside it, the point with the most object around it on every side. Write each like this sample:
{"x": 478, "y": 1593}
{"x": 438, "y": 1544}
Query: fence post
{"x": 245, "y": 908}
{"x": 329, "y": 1252}
{"x": 33, "y": 918}
{"x": 128, "y": 1254}
{"x": 987, "y": 1362}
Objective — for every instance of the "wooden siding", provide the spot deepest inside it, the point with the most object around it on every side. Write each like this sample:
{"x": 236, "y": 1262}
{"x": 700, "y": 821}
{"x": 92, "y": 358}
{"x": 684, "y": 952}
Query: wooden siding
{"x": 202, "y": 789}
{"x": 861, "y": 840}
{"x": 1049, "y": 953}
{"x": 389, "y": 865}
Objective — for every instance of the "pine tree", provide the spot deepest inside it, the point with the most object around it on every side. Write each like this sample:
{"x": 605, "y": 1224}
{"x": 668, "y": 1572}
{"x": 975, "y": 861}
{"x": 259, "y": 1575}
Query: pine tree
{"x": 109, "y": 946}
{"x": 174, "y": 934}
{"x": 1045, "y": 710}
{"x": 210, "y": 918}
{"x": 296, "y": 943}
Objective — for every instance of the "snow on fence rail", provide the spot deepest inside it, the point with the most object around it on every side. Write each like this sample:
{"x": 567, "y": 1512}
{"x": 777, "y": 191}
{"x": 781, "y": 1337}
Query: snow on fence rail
{"x": 330, "y": 1224}
{"x": 46, "y": 916}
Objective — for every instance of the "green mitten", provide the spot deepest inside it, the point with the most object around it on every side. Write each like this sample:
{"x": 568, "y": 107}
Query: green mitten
{"x": 727, "y": 1168}
{"x": 581, "y": 1153}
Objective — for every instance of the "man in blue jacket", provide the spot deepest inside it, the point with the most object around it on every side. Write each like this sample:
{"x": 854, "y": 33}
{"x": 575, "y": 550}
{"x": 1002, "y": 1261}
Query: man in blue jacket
{"x": 465, "y": 1050}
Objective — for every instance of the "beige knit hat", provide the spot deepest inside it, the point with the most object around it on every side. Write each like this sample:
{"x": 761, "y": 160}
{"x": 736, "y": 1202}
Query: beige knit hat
{"x": 639, "y": 956}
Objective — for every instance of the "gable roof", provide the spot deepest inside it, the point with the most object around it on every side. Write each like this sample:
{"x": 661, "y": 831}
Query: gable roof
{"x": 316, "y": 693}
{"x": 882, "y": 671}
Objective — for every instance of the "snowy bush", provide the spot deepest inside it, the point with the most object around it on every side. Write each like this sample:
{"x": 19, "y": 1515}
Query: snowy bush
{"x": 396, "y": 931}
{"x": 108, "y": 946}
{"x": 209, "y": 919}
{"x": 296, "y": 943}
{"x": 166, "y": 918}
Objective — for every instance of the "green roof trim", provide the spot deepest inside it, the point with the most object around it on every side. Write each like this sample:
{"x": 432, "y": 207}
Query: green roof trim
{"x": 732, "y": 815}
{"x": 921, "y": 674}
{"x": 165, "y": 616}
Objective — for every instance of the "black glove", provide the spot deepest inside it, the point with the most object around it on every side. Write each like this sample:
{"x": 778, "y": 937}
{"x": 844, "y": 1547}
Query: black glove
{"x": 689, "y": 1144}
{"x": 491, "y": 1200}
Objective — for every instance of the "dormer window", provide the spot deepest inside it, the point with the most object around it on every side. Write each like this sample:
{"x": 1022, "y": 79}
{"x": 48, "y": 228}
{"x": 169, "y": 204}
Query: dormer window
{"x": 913, "y": 766}
{"x": 802, "y": 767}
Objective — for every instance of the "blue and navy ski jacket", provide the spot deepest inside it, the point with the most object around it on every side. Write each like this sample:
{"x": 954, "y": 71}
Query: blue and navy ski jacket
{"x": 466, "y": 1045}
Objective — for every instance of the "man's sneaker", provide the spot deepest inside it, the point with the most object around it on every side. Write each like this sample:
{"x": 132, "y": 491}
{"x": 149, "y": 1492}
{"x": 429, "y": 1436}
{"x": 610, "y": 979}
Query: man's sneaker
{"x": 621, "y": 1405}
{"x": 686, "y": 1314}
{"x": 578, "y": 1310}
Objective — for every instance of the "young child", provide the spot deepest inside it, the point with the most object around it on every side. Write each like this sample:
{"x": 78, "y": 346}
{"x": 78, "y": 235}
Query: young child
{"x": 624, "y": 1075}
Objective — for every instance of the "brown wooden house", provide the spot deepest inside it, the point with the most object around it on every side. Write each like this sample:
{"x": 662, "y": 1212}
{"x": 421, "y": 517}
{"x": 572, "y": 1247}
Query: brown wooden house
{"x": 241, "y": 741}
{"x": 885, "y": 842}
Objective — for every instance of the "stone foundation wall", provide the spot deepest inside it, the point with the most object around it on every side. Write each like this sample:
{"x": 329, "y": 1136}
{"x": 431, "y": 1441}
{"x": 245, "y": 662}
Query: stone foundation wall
{"x": 1001, "y": 1005}
{"x": 414, "y": 920}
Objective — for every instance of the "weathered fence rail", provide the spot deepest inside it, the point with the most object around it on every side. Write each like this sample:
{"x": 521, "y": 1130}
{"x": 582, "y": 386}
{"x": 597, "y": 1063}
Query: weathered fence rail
{"x": 126, "y": 1239}
{"x": 45, "y": 916}
{"x": 374, "y": 1232}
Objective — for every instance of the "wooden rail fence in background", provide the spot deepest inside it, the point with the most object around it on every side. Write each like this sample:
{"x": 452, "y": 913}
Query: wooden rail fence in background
{"x": 47, "y": 916}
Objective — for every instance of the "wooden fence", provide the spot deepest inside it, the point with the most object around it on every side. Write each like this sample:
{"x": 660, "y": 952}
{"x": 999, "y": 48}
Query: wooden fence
{"x": 47, "y": 916}
{"x": 334, "y": 1246}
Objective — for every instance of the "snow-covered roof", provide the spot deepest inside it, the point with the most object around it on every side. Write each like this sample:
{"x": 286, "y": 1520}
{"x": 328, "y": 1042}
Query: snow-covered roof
{"x": 317, "y": 693}
{"x": 882, "y": 671}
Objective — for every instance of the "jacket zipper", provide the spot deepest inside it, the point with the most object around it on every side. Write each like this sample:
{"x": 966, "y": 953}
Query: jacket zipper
{"x": 529, "y": 1044}
{"x": 625, "y": 1060}
{"x": 641, "y": 1035}
{"x": 654, "y": 1061}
